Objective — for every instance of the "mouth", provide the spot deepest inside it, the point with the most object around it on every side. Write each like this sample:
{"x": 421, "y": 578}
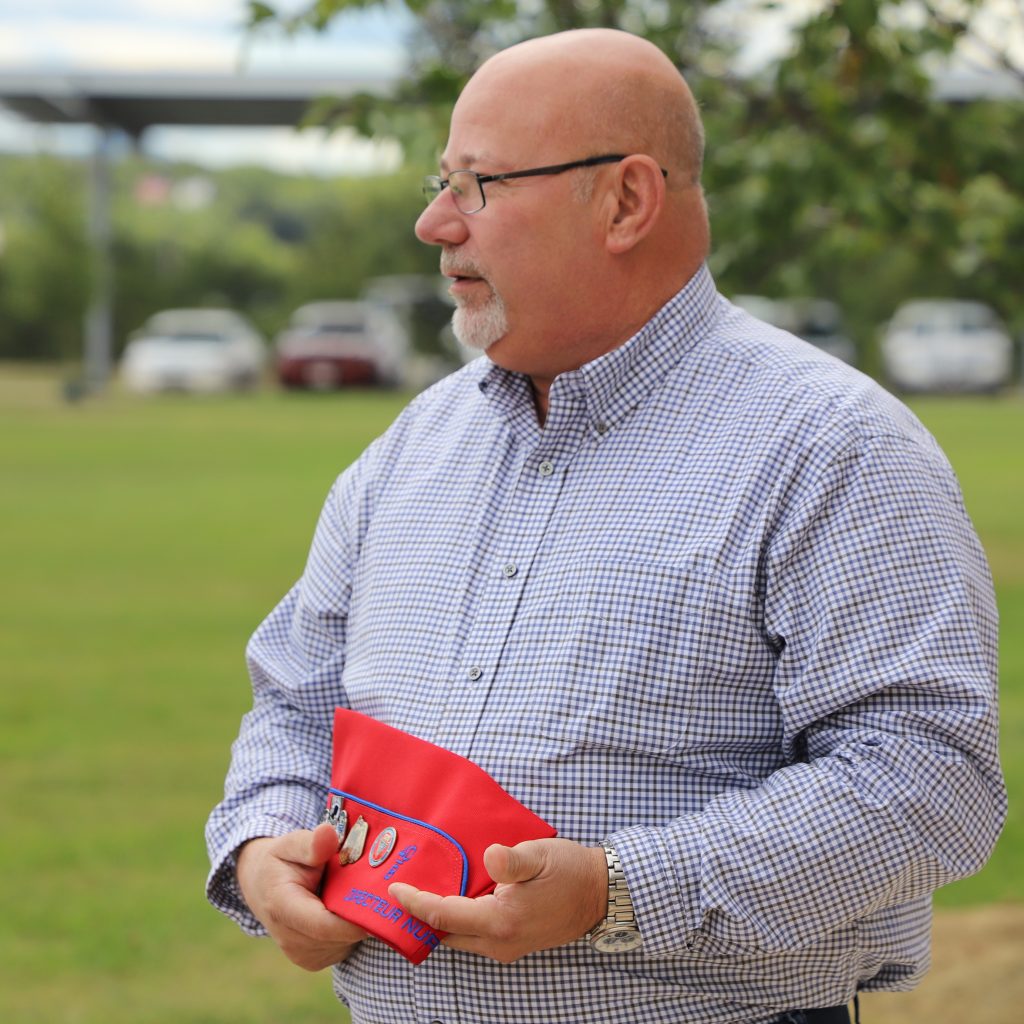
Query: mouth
{"x": 462, "y": 282}
{"x": 459, "y": 270}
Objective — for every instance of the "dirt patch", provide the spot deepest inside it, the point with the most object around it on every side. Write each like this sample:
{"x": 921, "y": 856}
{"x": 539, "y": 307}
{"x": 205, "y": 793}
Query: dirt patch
{"x": 977, "y": 973}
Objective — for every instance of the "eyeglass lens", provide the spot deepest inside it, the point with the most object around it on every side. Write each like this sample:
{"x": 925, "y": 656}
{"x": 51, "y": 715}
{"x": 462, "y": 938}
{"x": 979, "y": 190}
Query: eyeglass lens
{"x": 465, "y": 187}
{"x": 467, "y": 191}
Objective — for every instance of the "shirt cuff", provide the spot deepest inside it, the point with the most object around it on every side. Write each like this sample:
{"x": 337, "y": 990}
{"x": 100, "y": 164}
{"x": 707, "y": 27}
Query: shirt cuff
{"x": 662, "y": 869}
{"x": 222, "y": 889}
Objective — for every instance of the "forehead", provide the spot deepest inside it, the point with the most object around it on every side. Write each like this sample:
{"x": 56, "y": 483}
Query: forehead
{"x": 482, "y": 146}
{"x": 501, "y": 122}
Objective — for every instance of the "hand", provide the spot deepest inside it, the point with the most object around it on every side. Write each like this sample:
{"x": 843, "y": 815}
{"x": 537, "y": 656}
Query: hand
{"x": 549, "y": 892}
{"x": 279, "y": 879}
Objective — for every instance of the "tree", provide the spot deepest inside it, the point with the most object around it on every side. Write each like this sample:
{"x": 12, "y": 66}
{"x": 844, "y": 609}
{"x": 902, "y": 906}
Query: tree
{"x": 835, "y": 172}
{"x": 844, "y": 175}
{"x": 44, "y": 259}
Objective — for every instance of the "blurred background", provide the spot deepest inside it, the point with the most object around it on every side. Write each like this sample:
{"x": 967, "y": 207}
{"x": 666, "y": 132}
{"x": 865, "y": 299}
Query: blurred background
{"x": 211, "y": 299}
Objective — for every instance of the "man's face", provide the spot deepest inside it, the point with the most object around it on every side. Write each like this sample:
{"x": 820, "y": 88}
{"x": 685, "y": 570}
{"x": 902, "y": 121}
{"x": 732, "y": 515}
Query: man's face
{"x": 518, "y": 266}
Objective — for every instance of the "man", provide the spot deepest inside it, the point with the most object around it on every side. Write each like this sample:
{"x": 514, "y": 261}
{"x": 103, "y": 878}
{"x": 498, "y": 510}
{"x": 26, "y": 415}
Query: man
{"x": 683, "y": 585}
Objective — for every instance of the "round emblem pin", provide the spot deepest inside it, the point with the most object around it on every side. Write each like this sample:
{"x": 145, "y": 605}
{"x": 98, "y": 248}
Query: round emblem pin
{"x": 382, "y": 847}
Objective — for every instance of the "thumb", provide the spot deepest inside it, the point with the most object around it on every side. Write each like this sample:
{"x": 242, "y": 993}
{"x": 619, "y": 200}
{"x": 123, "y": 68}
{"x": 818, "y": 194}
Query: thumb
{"x": 323, "y": 844}
{"x": 308, "y": 848}
{"x": 514, "y": 863}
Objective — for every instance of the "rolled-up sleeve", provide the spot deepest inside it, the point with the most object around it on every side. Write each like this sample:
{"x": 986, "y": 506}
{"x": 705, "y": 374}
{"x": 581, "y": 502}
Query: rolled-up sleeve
{"x": 879, "y": 602}
{"x": 281, "y": 757}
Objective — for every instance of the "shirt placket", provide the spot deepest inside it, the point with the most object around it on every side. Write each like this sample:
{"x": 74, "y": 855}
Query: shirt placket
{"x": 516, "y": 535}
{"x": 516, "y": 538}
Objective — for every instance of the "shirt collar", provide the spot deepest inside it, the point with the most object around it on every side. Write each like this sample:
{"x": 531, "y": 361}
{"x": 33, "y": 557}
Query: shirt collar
{"x": 616, "y": 382}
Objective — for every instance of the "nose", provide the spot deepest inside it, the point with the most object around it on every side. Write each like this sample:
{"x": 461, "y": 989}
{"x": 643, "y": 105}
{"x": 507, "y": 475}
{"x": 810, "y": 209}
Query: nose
{"x": 441, "y": 223}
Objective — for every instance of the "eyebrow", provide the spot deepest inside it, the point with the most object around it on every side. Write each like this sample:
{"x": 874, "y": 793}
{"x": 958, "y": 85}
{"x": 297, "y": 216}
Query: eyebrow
{"x": 466, "y": 161}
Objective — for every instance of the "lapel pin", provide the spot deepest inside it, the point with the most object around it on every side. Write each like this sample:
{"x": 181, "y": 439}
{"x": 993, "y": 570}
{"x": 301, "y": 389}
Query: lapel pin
{"x": 337, "y": 816}
{"x": 382, "y": 846}
{"x": 352, "y": 848}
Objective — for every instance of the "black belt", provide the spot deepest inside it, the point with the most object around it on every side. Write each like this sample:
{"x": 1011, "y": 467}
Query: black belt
{"x": 821, "y": 1015}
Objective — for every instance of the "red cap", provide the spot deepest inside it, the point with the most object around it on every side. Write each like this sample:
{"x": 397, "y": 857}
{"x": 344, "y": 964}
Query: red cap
{"x": 429, "y": 815}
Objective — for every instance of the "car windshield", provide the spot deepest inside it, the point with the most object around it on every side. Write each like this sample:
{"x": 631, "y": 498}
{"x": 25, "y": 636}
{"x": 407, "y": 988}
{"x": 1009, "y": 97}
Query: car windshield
{"x": 195, "y": 336}
{"x": 966, "y": 318}
{"x": 338, "y": 329}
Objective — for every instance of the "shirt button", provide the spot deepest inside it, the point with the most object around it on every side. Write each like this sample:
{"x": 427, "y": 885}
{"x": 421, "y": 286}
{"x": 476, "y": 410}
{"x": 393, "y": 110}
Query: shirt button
{"x": 474, "y": 673}
{"x": 601, "y": 428}
{"x": 510, "y": 570}
{"x": 546, "y": 468}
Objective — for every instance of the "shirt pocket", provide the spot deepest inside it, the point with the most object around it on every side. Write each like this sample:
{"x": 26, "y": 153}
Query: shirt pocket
{"x": 627, "y": 642}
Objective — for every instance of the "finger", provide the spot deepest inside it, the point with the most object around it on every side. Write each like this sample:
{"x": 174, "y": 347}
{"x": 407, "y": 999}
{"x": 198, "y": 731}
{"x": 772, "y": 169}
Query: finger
{"x": 313, "y": 937}
{"x": 458, "y": 914}
{"x": 309, "y": 848}
{"x": 519, "y": 863}
{"x": 304, "y": 914}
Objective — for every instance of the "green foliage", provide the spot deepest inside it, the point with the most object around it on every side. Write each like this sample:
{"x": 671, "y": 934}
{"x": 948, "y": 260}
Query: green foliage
{"x": 841, "y": 175}
{"x": 44, "y": 259}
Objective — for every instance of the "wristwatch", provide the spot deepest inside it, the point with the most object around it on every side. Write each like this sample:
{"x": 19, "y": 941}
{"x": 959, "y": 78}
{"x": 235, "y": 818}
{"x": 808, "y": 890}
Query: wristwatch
{"x": 618, "y": 932}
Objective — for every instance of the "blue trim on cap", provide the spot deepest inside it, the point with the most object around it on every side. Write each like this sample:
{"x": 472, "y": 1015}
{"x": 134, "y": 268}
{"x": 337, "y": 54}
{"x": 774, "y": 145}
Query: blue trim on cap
{"x": 422, "y": 824}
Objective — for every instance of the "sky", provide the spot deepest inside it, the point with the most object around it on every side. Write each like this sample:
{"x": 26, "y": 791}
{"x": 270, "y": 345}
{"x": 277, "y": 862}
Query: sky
{"x": 198, "y": 36}
{"x": 186, "y": 35}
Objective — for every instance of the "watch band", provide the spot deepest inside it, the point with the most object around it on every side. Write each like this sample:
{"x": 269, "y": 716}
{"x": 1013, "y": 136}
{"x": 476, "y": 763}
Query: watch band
{"x": 620, "y": 906}
{"x": 618, "y": 931}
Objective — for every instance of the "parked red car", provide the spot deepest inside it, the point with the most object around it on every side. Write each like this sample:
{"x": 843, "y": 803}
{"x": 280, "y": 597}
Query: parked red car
{"x": 330, "y": 345}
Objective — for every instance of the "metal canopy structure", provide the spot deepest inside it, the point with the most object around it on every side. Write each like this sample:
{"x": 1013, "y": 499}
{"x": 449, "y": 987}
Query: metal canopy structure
{"x": 132, "y": 103}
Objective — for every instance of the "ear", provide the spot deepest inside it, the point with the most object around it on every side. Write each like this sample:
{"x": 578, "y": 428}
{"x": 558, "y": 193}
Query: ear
{"x": 635, "y": 206}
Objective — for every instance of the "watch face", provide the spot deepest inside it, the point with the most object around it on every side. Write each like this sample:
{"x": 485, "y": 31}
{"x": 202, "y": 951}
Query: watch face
{"x": 618, "y": 940}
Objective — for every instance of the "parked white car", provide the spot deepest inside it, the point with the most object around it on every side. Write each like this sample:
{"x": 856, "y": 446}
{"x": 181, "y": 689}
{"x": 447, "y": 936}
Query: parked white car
{"x": 946, "y": 345}
{"x": 193, "y": 350}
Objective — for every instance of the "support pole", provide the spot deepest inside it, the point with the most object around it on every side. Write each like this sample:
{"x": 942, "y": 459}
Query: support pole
{"x": 99, "y": 318}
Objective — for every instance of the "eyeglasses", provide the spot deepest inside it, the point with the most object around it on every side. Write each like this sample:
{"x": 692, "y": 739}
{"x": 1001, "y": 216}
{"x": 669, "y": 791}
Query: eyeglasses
{"x": 467, "y": 187}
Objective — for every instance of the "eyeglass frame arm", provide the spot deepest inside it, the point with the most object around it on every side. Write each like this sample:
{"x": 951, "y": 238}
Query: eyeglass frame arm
{"x": 483, "y": 179}
{"x": 553, "y": 169}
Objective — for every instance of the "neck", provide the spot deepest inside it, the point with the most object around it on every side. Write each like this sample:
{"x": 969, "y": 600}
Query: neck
{"x": 541, "y": 388}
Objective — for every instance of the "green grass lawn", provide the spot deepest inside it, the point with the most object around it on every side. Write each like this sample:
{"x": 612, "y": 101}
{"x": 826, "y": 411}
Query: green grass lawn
{"x": 141, "y": 543}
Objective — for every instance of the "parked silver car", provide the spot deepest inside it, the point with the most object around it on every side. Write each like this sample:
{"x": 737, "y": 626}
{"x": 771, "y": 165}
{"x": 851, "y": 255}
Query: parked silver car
{"x": 946, "y": 345}
{"x": 193, "y": 350}
{"x": 818, "y": 321}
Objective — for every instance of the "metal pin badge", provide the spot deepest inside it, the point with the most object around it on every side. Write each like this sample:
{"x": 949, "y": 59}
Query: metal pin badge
{"x": 352, "y": 848}
{"x": 337, "y": 816}
{"x": 382, "y": 846}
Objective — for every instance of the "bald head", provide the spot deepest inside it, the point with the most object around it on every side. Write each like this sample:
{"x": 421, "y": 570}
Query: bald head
{"x": 554, "y": 268}
{"x": 609, "y": 90}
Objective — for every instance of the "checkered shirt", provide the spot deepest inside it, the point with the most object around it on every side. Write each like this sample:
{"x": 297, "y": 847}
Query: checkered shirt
{"x": 725, "y": 609}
